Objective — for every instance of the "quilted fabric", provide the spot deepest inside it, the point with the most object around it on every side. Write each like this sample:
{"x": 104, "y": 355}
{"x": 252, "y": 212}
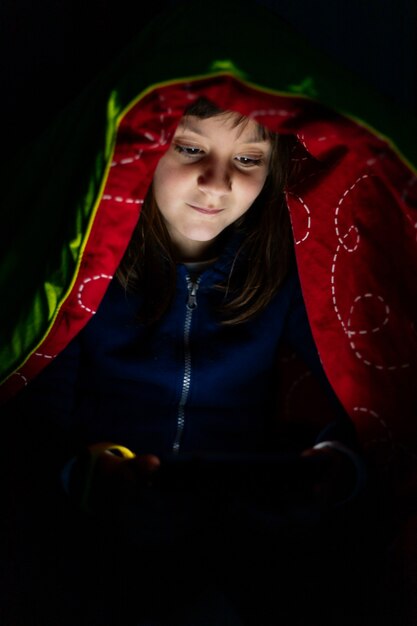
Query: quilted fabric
{"x": 353, "y": 210}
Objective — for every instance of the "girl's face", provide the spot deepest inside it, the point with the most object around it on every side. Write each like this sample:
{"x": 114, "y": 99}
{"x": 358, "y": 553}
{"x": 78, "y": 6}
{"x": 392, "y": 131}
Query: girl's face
{"x": 209, "y": 177}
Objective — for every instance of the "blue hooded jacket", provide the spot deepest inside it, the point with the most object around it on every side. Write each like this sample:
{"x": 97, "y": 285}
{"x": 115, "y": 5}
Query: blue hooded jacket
{"x": 186, "y": 383}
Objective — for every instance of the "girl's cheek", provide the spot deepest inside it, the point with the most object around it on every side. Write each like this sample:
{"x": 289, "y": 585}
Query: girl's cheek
{"x": 171, "y": 175}
{"x": 255, "y": 187}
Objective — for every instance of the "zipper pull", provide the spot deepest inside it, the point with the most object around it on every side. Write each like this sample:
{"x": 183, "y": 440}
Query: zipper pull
{"x": 192, "y": 295}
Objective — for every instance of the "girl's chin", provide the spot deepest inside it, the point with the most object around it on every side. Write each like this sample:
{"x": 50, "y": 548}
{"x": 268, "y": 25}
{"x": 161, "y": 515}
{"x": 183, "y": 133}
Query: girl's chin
{"x": 203, "y": 236}
{"x": 196, "y": 245}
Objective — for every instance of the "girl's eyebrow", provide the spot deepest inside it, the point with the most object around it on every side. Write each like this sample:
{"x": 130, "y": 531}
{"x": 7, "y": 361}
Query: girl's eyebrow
{"x": 197, "y": 131}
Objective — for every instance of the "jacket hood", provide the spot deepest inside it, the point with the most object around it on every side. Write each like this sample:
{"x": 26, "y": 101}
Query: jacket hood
{"x": 72, "y": 201}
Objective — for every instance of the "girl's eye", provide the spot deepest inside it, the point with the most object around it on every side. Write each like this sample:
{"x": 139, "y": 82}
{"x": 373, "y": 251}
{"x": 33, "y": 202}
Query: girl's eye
{"x": 189, "y": 151}
{"x": 249, "y": 161}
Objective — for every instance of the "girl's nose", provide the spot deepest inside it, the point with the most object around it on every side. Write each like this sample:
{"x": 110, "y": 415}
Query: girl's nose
{"x": 215, "y": 180}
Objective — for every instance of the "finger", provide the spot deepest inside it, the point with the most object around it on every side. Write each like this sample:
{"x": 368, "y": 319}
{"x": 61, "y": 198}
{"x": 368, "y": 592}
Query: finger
{"x": 148, "y": 463}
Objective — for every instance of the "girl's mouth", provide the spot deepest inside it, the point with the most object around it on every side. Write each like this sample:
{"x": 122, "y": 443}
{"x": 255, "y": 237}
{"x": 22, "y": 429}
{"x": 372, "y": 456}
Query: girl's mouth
{"x": 205, "y": 210}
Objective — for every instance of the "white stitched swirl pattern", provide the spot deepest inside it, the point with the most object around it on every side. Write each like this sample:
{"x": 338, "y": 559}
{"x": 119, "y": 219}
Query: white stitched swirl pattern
{"x": 107, "y": 196}
{"x": 22, "y": 377}
{"x": 308, "y": 213}
{"x": 352, "y": 246}
{"x": 301, "y": 139}
{"x": 45, "y": 356}
{"x": 376, "y": 329}
{"x": 157, "y": 142}
{"x": 270, "y": 113}
{"x": 388, "y": 438}
{"x": 128, "y": 160}
{"x": 82, "y": 286}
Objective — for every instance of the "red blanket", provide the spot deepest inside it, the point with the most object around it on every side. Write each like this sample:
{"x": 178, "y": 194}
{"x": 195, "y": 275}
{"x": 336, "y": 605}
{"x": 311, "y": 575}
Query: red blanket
{"x": 353, "y": 210}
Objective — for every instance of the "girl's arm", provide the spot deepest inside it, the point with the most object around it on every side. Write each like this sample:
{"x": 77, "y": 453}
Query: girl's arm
{"x": 338, "y": 438}
{"x": 42, "y": 431}
{"x": 297, "y": 334}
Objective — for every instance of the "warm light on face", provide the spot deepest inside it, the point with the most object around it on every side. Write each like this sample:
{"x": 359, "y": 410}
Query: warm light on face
{"x": 209, "y": 177}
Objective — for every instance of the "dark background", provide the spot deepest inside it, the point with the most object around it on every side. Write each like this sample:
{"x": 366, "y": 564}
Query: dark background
{"x": 50, "y": 49}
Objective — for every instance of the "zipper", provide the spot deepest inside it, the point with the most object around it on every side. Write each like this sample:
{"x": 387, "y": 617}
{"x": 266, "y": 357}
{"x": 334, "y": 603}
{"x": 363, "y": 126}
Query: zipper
{"x": 191, "y": 305}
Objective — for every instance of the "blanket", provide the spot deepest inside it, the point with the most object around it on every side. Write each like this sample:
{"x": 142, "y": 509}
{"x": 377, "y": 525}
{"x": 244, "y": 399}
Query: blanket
{"x": 71, "y": 201}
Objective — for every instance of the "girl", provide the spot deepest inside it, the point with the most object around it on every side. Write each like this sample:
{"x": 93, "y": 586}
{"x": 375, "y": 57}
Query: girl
{"x": 139, "y": 346}
{"x": 181, "y": 355}
{"x": 180, "y": 363}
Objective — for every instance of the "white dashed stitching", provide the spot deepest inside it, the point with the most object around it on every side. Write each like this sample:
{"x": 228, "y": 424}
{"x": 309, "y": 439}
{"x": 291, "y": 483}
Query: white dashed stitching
{"x": 81, "y": 289}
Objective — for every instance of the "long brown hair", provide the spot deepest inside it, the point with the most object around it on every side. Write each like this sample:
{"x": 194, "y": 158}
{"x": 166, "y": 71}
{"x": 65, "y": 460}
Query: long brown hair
{"x": 149, "y": 263}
